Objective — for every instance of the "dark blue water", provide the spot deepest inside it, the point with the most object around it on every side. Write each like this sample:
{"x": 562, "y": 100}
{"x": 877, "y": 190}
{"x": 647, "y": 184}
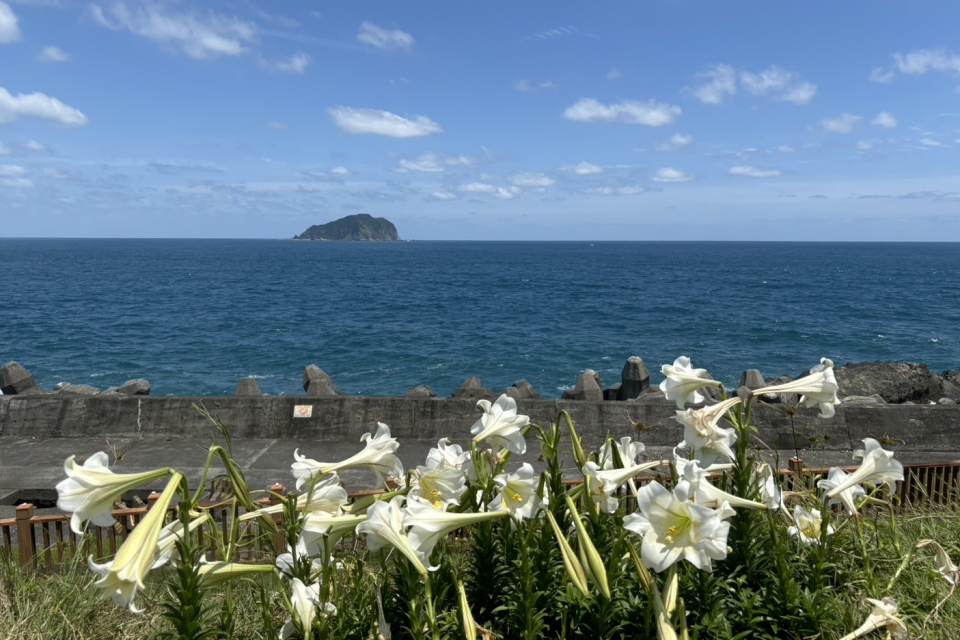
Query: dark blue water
{"x": 194, "y": 316}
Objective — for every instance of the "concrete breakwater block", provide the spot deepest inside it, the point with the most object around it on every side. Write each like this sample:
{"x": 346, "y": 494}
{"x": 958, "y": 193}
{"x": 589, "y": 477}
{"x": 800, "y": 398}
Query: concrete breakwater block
{"x": 633, "y": 379}
{"x": 473, "y": 388}
{"x": 421, "y": 391}
{"x": 248, "y": 387}
{"x": 15, "y": 380}
{"x": 316, "y": 383}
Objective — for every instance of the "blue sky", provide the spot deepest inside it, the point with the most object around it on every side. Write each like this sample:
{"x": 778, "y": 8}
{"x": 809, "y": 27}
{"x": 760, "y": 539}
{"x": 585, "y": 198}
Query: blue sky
{"x": 661, "y": 119}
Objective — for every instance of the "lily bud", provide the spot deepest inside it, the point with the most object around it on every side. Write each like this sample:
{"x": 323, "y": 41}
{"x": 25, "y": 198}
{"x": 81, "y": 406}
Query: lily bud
{"x": 594, "y": 561}
{"x": 570, "y": 561}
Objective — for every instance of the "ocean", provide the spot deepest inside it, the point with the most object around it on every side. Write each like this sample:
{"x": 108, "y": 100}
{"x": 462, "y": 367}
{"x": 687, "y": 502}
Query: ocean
{"x": 194, "y": 316}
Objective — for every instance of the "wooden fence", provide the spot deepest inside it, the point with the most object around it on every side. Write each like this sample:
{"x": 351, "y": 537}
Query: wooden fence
{"x": 47, "y": 541}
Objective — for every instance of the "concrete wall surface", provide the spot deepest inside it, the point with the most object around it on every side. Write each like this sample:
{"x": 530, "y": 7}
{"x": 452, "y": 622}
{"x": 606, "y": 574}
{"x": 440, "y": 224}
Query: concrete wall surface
{"x": 651, "y": 419}
{"x": 38, "y": 432}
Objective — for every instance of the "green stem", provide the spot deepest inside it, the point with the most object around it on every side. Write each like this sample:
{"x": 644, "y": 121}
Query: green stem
{"x": 431, "y": 614}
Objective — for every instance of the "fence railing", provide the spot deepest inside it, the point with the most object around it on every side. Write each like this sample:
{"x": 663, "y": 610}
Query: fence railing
{"x": 47, "y": 541}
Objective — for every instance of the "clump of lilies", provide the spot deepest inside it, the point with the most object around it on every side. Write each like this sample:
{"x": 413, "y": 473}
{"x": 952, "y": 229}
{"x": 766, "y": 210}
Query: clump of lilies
{"x": 571, "y": 541}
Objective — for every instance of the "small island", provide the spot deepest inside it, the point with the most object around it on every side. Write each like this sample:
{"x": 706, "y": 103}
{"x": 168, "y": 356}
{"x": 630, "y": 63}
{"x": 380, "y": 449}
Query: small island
{"x": 361, "y": 227}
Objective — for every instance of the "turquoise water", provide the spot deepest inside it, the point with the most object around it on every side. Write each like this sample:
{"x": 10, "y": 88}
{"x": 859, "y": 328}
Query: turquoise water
{"x": 194, "y": 316}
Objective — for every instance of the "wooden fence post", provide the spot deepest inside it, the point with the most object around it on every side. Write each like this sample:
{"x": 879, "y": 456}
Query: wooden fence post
{"x": 796, "y": 470}
{"x": 152, "y": 499}
{"x": 25, "y": 538}
{"x": 280, "y": 540}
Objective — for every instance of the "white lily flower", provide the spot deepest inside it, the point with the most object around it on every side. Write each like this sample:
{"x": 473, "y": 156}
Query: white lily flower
{"x": 629, "y": 452}
{"x": 674, "y": 527}
{"x": 694, "y": 482}
{"x": 320, "y": 528}
{"x": 701, "y": 433}
{"x": 284, "y": 561}
{"x": 169, "y": 536}
{"x": 441, "y": 486}
{"x": 817, "y": 389}
{"x": 447, "y": 455}
{"x": 518, "y": 493}
{"x": 378, "y": 455}
{"x": 305, "y": 600}
{"x": 846, "y": 497}
{"x": 770, "y": 493}
{"x": 124, "y": 575}
{"x": 429, "y": 524}
{"x": 604, "y": 484}
{"x": 384, "y": 526}
{"x": 683, "y": 383}
{"x": 383, "y": 627}
{"x": 808, "y": 525}
{"x": 945, "y": 566}
{"x": 878, "y": 467}
{"x": 883, "y": 616}
{"x": 90, "y": 490}
{"x": 501, "y": 425}
{"x": 328, "y": 497}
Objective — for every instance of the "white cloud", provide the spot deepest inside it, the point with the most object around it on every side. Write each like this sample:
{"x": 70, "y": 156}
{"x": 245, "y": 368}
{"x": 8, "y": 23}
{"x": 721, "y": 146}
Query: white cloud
{"x": 279, "y": 126}
{"x": 53, "y": 54}
{"x": 877, "y": 74}
{"x": 614, "y": 74}
{"x": 443, "y": 195}
{"x": 921, "y": 61}
{"x": 433, "y": 163}
{"x": 552, "y": 33}
{"x": 786, "y": 149}
{"x": 383, "y": 38}
{"x": 12, "y": 175}
{"x": 200, "y": 36}
{"x": 506, "y": 194}
{"x": 9, "y": 30}
{"x": 864, "y": 145}
{"x": 669, "y": 174}
{"x": 779, "y": 84}
{"x": 296, "y": 64}
{"x": 930, "y": 142}
{"x": 843, "y": 123}
{"x": 476, "y": 187}
{"x": 584, "y": 169}
{"x": 523, "y": 86}
{"x": 885, "y": 119}
{"x": 720, "y": 82}
{"x": 652, "y": 113}
{"x": 532, "y": 179}
{"x": 753, "y": 172}
{"x": 340, "y": 171}
{"x": 33, "y": 145}
{"x": 427, "y": 163}
{"x": 613, "y": 191}
{"x": 723, "y": 80}
{"x": 38, "y": 105}
{"x": 382, "y": 123}
{"x": 600, "y": 191}
{"x": 677, "y": 141}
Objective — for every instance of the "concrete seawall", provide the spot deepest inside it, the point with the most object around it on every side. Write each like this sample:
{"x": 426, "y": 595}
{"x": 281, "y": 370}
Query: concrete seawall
{"x": 38, "y": 432}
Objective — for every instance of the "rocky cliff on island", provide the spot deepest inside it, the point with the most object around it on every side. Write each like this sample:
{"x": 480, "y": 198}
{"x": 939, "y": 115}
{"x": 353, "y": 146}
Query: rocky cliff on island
{"x": 361, "y": 227}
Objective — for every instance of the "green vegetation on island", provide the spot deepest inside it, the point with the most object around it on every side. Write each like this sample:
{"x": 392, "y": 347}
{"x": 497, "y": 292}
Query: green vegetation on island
{"x": 359, "y": 227}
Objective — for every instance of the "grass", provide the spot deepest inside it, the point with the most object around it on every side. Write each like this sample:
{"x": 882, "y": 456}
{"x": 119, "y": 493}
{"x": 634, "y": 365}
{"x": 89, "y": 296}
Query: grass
{"x": 36, "y": 605}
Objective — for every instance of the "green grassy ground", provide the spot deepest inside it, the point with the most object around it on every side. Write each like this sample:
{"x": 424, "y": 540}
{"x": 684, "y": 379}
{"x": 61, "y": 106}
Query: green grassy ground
{"x": 64, "y": 605}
